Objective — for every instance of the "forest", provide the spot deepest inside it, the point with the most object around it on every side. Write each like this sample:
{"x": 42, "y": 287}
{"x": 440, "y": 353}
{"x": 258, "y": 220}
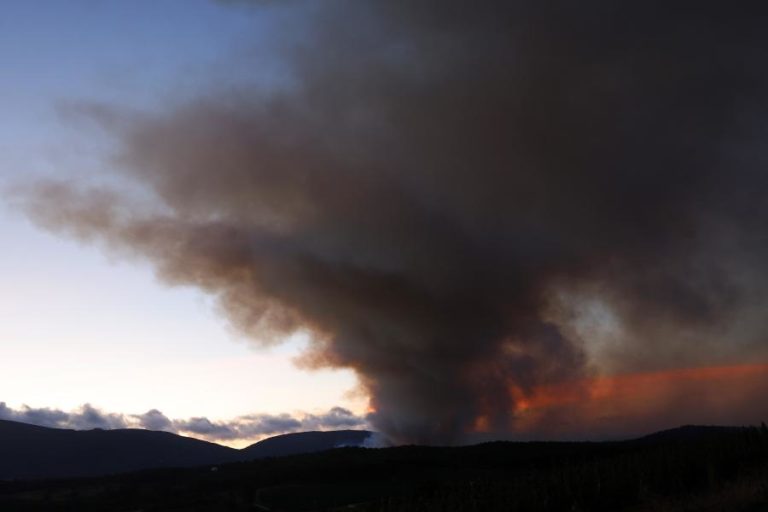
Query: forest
{"x": 685, "y": 469}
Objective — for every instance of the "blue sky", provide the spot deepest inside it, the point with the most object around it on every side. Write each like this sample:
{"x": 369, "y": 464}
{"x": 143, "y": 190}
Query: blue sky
{"x": 77, "y": 325}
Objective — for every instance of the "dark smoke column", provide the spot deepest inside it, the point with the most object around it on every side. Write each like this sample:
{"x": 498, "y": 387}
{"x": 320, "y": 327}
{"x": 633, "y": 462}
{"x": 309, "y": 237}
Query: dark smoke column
{"x": 437, "y": 181}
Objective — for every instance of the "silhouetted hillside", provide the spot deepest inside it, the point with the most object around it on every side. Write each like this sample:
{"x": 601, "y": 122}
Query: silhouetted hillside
{"x": 30, "y": 451}
{"x": 727, "y": 472}
{"x": 304, "y": 442}
{"x": 690, "y": 433}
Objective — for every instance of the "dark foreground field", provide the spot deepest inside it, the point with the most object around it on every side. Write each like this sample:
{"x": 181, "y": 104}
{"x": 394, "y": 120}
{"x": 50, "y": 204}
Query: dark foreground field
{"x": 687, "y": 469}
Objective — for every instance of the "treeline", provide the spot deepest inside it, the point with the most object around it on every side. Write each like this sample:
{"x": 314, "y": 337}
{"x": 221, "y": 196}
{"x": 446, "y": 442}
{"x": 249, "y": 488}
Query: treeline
{"x": 720, "y": 470}
{"x": 704, "y": 469}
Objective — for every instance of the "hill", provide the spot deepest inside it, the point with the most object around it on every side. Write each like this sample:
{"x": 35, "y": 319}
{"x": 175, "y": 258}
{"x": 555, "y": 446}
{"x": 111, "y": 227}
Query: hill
{"x": 30, "y": 451}
{"x": 304, "y": 442}
{"x": 723, "y": 472}
{"x": 690, "y": 433}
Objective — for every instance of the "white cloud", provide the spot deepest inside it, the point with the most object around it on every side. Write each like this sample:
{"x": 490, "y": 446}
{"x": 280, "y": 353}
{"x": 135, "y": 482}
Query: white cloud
{"x": 247, "y": 427}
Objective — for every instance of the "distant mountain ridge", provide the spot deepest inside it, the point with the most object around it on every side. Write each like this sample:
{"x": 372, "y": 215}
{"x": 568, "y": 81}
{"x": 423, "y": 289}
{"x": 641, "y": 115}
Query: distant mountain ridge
{"x": 690, "y": 433}
{"x": 719, "y": 470}
{"x": 305, "y": 442}
{"x": 34, "y": 452}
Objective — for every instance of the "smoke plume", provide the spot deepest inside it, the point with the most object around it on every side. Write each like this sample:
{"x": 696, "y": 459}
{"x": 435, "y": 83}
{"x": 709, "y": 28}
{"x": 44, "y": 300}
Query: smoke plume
{"x": 465, "y": 202}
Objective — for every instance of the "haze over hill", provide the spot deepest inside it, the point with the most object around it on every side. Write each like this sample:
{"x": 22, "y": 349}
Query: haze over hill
{"x": 305, "y": 442}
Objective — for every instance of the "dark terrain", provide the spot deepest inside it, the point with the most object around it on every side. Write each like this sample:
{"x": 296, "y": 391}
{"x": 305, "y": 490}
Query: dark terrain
{"x": 33, "y": 452}
{"x": 303, "y": 442}
{"x": 702, "y": 469}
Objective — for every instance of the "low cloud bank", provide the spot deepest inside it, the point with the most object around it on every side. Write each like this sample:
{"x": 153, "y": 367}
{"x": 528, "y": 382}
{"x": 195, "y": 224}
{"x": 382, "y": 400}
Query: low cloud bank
{"x": 251, "y": 426}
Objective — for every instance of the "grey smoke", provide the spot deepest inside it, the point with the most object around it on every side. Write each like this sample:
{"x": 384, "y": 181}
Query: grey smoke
{"x": 444, "y": 186}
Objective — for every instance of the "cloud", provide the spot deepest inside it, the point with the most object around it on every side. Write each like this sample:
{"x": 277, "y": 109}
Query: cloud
{"x": 84, "y": 418}
{"x": 88, "y": 417}
{"x": 266, "y": 424}
{"x": 44, "y": 417}
{"x": 259, "y": 425}
{"x": 206, "y": 428}
{"x": 336, "y": 418}
{"x": 247, "y": 427}
{"x": 155, "y": 420}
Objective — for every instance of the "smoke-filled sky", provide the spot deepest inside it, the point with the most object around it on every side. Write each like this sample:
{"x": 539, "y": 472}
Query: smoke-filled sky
{"x": 517, "y": 219}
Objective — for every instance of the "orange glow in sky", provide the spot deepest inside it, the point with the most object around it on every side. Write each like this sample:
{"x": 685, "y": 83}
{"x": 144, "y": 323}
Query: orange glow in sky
{"x": 625, "y": 402}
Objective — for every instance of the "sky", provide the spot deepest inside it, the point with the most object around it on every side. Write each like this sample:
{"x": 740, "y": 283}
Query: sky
{"x": 78, "y": 326}
{"x": 526, "y": 220}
